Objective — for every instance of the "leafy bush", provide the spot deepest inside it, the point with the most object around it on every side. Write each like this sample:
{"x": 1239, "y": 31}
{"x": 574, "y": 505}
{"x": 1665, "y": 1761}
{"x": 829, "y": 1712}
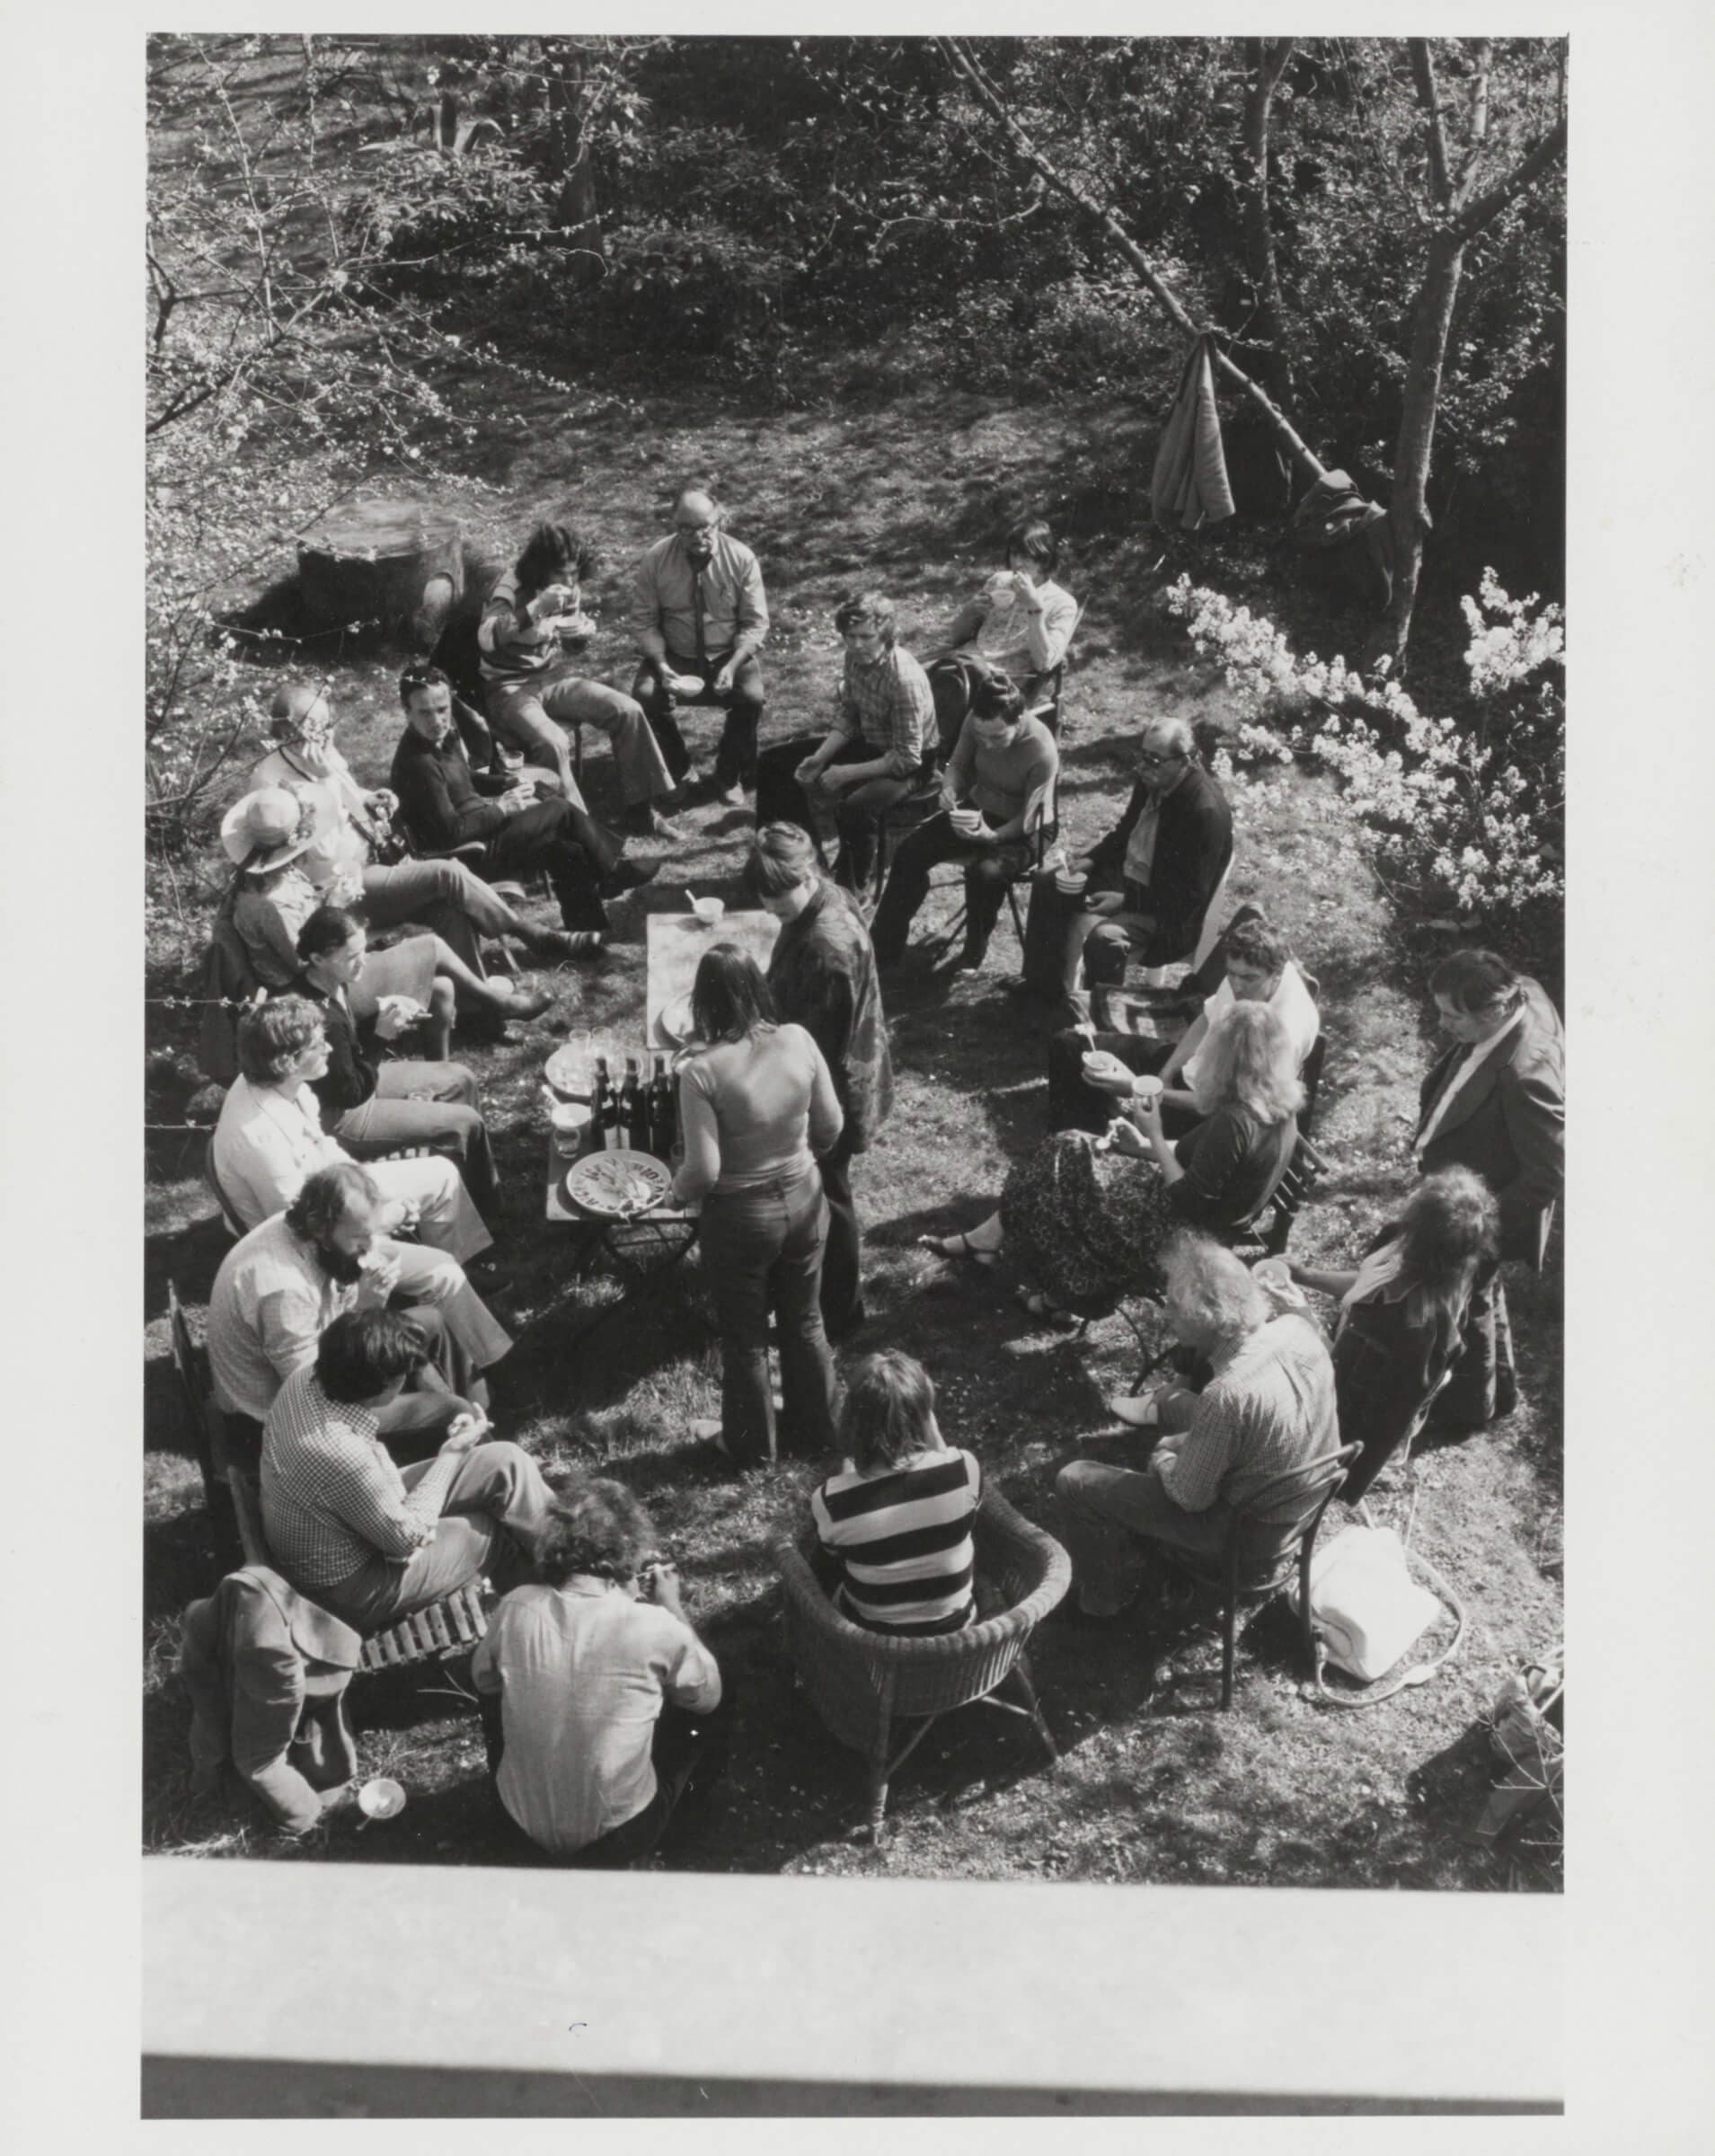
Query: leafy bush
{"x": 1460, "y": 816}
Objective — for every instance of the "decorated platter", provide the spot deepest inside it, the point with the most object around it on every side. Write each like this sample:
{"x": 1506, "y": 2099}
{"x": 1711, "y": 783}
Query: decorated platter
{"x": 617, "y": 1185}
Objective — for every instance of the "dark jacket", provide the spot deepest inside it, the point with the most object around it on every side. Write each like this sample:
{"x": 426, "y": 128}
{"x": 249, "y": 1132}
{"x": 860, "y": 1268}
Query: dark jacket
{"x": 351, "y": 1077}
{"x": 1508, "y": 1124}
{"x": 228, "y": 976}
{"x": 822, "y": 972}
{"x": 1387, "y": 1369}
{"x": 1231, "y": 1160}
{"x": 266, "y": 1672}
{"x": 440, "y": 798}
{"x": 1193, "y": 846}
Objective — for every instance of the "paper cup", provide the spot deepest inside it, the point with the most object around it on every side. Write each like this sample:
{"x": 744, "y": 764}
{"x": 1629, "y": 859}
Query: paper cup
{"x": 708, "y": 910}
{"x": 968, "y": 820}
{"x": 1073, "y": 887}
{"x": 1145, "y": 1086}
{"x": 381, "y": 1799}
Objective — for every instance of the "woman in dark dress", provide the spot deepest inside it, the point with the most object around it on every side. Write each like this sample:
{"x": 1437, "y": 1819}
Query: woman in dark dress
{"x": 1401, "y": 1313}
{"x": 1088, "y": 1216}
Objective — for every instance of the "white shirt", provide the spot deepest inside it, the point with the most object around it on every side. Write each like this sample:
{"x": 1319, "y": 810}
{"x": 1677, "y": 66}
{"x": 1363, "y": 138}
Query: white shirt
{"x": 1461, "y": 1077}
{"x": 266, "y": 1143}
{"x": 337, "y": 860}
{"x": 582, "y": 1671}
{"x": 1291, "y": 1003}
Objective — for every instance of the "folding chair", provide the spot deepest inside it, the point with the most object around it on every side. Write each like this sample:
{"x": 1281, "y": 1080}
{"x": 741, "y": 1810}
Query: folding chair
{"x": 1041, "y": 821}
{"x": 1207, "y": 935}
{"x": 1047, "y": 691}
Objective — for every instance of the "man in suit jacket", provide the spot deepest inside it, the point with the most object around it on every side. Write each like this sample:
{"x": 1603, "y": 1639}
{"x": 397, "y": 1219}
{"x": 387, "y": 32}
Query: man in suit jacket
{"x": 1495, "y": 1102}
{"x": 1149, "y": 881}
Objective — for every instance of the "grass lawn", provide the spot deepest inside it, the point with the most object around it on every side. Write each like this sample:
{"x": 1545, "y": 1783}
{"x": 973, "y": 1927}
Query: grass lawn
{"x": 1152, "y": 1783}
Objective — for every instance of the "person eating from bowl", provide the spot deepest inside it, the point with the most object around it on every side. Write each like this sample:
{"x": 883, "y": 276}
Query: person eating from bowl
{"x": 700, "y": 617}
{"x": 872, "y": 754}
{"x": 375, "y": 1107}
{"x": 602, "y": 1709}
{"x": 280, "y": 1287}
{"x": 354, "y": 1532}
{"x": 270, "y": 1136}
{"x": 532, "y": 619}
{"x": 1143, "y": 888}
{"x": 1003, "y": 760}
{"x": 1089, "y": 1070}
{"x": 266, "y": 836}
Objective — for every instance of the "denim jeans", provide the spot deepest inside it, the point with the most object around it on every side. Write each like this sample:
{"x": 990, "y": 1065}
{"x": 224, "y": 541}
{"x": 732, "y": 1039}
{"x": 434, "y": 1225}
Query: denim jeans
{"x": 762, "y": 1251}
{"x": 534, "y": 714}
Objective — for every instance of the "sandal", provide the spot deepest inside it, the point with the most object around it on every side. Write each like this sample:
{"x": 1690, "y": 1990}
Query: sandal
{"x": 958, "y": 1246}
{"x": 1037, "y": 1305}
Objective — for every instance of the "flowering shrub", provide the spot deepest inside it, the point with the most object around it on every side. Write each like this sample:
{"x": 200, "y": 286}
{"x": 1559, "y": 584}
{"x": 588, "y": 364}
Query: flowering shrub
{"x": 1461, "y": 816}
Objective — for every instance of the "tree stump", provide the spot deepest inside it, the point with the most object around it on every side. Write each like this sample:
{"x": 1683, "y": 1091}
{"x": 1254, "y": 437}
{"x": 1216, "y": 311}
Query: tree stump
{"x": 368, "y": 565}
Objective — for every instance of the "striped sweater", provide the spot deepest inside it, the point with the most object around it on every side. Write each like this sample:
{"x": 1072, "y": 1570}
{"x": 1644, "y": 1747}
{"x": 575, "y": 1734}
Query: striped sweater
{"x": 902, "y": 1540}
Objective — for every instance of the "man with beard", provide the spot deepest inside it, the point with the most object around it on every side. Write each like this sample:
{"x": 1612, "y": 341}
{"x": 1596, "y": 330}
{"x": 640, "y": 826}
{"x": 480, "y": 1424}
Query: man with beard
{"x": 447, "y": 805}
{"x": 1143, "y": 888}
{"x": 281, "y": 1286}
{"x": 700, "y": 616}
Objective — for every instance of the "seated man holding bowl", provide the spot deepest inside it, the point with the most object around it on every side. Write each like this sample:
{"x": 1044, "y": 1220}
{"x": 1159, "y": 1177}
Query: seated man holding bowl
{"x": 1088, "y": 1070}
{"x": 1003, "y": 761}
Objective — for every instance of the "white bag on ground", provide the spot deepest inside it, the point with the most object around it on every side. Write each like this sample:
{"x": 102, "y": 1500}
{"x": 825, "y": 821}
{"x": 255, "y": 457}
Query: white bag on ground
{"x": 1365, "y": 1603}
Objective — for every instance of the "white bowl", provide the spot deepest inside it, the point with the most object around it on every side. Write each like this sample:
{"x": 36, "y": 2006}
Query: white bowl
{"x": 708, "y": 910}
{"x": 381, "y": 1798}
{"x": 570, "y": 1116}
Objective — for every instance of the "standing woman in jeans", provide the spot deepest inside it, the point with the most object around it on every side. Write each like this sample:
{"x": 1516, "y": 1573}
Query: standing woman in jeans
{"x": 756, "y": 1104}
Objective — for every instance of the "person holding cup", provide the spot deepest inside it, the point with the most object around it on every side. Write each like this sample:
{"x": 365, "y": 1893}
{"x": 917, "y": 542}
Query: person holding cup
{"x": 1087, "y": 1218}
{"x": 1003, "y": 761}
{"x": 1020, "y": 624}
{"x": 1142, "y": 888}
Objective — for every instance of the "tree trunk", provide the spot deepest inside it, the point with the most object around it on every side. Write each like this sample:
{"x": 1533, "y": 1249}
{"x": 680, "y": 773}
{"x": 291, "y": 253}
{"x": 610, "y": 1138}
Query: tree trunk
{"x": 577, "y": 210}
{"x": 1409, "y": 509}
{"x": 1268, "y": 63}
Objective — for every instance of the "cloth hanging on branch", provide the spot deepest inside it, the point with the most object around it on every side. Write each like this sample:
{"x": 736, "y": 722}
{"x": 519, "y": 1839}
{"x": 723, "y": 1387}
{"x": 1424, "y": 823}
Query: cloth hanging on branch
{"x": 1189, "y": 486}
{"x": 1334, "y": 519}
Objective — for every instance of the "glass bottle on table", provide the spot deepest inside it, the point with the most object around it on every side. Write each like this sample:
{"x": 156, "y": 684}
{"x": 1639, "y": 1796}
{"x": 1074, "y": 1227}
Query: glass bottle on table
{"x": 635, "y": 1107}
{"x": 663, "y": 1117}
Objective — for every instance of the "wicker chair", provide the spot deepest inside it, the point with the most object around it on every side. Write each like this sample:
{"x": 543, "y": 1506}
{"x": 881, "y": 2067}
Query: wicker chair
{"x": 863, "y": 1683}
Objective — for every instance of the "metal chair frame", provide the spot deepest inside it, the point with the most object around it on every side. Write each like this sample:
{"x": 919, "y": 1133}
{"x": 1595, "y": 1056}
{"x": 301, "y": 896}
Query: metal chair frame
{"x": 1041, "y": 823}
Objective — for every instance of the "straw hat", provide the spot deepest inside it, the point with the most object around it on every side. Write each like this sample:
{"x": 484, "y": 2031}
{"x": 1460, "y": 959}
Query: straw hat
{"x": 265, "y": 830}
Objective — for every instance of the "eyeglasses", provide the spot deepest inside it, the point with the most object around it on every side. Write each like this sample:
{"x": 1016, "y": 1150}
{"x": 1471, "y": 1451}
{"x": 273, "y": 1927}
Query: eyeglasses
{"x": 1151, "y": 762}
{"x": 694, "y": 531}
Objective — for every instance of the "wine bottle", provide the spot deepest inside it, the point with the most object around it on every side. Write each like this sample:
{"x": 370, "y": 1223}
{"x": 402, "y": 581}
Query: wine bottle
{"x": 660, "y": 1114}
{"x": 637, "y": 1108}
{"x": 598, "y": 1105}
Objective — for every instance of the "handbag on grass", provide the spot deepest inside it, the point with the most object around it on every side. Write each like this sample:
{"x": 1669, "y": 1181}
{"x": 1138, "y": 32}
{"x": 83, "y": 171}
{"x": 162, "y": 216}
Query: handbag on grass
{"x": 1365, "y": 1603}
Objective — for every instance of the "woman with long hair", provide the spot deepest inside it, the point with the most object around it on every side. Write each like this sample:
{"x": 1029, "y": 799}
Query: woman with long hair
{"x": 1402, "y": 1312}
{"x": 1087, "y": 1217}
{"x": 533, "y": 620}
{"x": 756, "y": 1105}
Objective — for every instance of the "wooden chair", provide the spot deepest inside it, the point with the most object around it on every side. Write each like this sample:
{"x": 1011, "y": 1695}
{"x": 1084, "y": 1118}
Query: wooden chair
{"x": 1319, "y": 1481}
{"x": 863, "y": 1683}
{"x": 447, "y": 1628}
{"x": 1041, "y": 821}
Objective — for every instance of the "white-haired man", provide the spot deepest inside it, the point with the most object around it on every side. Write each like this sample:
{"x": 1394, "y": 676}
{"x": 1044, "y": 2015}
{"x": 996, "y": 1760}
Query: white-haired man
{"x": 1249, "y": 1438}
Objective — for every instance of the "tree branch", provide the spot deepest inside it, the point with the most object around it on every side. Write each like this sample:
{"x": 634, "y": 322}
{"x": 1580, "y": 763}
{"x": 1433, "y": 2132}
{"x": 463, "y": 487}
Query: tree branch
{"x": 1526, "y": 173}
{"x": 965, "y": 64}
{"x": 1429, "y": 99}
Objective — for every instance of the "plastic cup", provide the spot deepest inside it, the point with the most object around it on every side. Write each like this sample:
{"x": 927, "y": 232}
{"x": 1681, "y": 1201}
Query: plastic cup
{"x": 968, "y": 820}
{"x": 381, "y": 1798}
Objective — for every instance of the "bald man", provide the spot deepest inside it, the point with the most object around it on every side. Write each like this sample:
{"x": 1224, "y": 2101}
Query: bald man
{"x": 1146, "y": 884}
{"x": 700, "y": 616}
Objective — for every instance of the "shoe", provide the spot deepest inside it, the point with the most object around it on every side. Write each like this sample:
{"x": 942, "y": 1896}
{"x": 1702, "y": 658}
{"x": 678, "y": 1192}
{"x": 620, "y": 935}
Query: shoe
{"x": 958, "y": 1246}
{"x": 1140, "y": 1411}
{"x": 1039, "y": 1307}
{"x": 567, "y": 942}
{"x": 647, "y": 822}
{"x": 970, "y": 959}
{"x": 629, "y": 876}
{"x": 708, "y": 1431}
{"x": 527, "y": 1002}
{"x": 729, "y": 797}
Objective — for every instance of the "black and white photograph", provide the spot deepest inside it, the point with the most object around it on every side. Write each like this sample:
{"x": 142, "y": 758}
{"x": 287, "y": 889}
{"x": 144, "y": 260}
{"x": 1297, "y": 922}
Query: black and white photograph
{"x": 852, "y": 988}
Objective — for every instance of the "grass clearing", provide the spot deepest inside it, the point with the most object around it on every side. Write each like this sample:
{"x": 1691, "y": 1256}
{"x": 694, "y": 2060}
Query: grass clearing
{"x": 1152, "y": 1784}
